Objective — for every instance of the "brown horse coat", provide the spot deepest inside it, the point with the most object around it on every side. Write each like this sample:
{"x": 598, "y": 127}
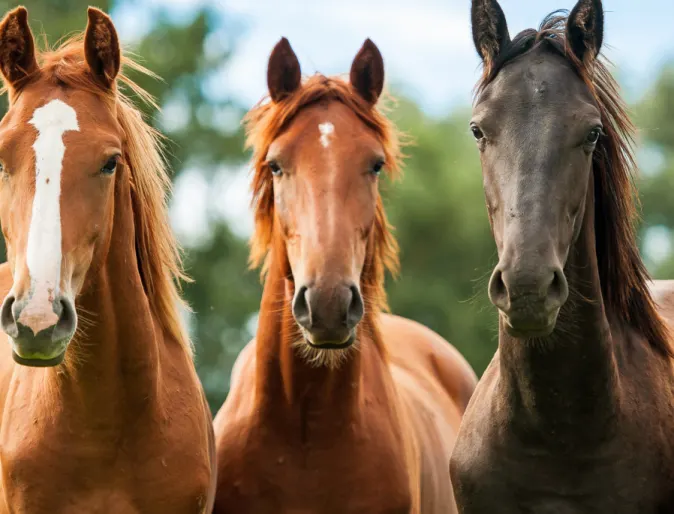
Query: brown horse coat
{"x": 121, "y": 425}
{"x": 426, "y": 386}
{"x": 312, "y": 424}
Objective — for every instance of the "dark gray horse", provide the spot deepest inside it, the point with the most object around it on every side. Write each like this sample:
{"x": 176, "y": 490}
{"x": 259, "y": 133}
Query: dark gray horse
{"x": 575, "y": 412}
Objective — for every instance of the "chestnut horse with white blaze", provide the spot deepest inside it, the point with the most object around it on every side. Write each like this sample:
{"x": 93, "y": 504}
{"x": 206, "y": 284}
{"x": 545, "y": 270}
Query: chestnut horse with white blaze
{"x": 334, "y": 407}
{"x": 102, "y": 410}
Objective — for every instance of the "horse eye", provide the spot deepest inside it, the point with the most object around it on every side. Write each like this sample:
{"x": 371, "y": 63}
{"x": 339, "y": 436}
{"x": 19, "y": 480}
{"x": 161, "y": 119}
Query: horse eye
{"x": 110, "y": 166}
{"x": 275, "y": 169}
{"x": 477, "y": 133}
{"x": 594, "y": 135}
{"x": 378, "y": 166}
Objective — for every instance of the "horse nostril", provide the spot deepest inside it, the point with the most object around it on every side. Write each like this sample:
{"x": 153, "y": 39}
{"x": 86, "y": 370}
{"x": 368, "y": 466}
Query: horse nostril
{"x": 558, "y": 289}
{"x": 7, "y": 317}
{"x": 67, "y": 323}
{"x": 498, "y": 291}
{"x": 301, "y": 310}
{"x": 355, "y": 310}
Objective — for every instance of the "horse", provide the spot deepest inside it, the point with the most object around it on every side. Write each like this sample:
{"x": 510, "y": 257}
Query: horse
{"x": 575, "y": 411}
{"x": 102, "y": 410}
{"x": 334, "y": 407}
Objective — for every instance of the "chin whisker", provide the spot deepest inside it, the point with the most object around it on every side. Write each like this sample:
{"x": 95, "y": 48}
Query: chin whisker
{"x": 323, "y": 358}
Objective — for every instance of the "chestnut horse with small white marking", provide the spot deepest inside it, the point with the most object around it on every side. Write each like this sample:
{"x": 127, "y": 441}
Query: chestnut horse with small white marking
{"x": 334, "y": 407}
{"x": 107, "y": 416}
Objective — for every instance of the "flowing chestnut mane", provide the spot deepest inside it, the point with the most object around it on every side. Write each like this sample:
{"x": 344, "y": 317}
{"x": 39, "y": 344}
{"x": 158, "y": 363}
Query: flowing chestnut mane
{"x": 623, "y": 275}
{"x": 158, "y": 252}
{"x": 267, "y": 120}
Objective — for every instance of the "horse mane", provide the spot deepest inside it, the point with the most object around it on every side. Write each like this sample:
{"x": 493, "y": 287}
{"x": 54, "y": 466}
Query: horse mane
{"x": 623, "y": 275}
{"x": 267, "y": 120}
{"x": 158, "y": 252}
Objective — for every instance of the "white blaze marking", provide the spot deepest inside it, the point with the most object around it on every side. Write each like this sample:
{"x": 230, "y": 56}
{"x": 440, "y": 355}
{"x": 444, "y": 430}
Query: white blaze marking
{"x": 326, "y": 129}
{"x": 43, "y": 254}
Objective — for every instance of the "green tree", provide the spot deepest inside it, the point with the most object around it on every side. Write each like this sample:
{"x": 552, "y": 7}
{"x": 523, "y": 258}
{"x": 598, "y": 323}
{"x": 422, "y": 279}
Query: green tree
{"x": 655, "y": 119}
{"x": 447, "y": 251}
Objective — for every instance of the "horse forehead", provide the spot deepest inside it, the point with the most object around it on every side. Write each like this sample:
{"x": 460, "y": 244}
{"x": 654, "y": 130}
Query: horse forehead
{"x": 55, "y": 116}
{"x": 329, "y": 122}
{"x": 541, "y": 78}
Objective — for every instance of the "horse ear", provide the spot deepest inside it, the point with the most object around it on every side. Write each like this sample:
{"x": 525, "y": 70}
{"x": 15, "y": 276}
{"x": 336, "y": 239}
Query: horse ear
{"x": 101, "y": 47}
{"x": 17, "y": 47}
{"x": 490, "y": 29}
{"x": 585, "y": 29}
{"x": 284, "y": 75}
{"x": 367, "y": 72}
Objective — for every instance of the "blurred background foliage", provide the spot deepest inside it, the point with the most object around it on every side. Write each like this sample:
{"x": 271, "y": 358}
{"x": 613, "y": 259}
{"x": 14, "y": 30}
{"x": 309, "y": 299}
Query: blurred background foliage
{"x": 437, "y": 208}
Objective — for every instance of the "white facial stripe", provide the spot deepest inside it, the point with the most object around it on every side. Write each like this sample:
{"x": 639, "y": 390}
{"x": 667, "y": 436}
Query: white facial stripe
{"x": 43, "y": 254}
{"x": 326, "y": 129}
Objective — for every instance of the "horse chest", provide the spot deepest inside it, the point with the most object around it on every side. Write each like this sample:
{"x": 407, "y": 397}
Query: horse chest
{"x": 490, "y": 477}
{"x": 271, "y": 476}
{"x": 45, "y": 474}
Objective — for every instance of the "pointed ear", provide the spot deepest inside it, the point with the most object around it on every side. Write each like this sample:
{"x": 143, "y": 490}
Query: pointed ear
{"x": 367, "y": 72}
{"x": 284, "y": 75}
{"x": 585, "y": 29}
{"x": 101, "y": 47}
{"x": 490, "y": 29}
{"x": 17, "y": 47}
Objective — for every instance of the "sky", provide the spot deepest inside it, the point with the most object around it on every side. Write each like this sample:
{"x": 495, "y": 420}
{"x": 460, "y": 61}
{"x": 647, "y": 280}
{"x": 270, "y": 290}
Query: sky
{"x": 428, "y": 54}
{"x": 426, "y": 44}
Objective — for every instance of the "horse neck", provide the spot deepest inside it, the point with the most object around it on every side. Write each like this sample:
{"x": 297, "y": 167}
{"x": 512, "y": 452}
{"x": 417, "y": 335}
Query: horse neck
{"x": 569, "y": 377}
{"x": 115, "y": 358}
{"x": 291, "y": 388}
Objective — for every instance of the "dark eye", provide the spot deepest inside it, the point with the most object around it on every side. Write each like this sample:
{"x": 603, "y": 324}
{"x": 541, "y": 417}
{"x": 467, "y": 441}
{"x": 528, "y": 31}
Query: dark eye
{"x": 110, "y": 166}
{"x": 378, "y": 166}
{"x": 594, "y": 135}
{"x": 275, "y": 169}
{"x": 477, "y": 133}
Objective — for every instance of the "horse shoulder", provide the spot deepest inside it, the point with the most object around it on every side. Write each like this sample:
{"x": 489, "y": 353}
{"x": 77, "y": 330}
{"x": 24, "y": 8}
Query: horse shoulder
{"x": 434, "y": 383}
{"x": 230, "y": 424}
{"x": 241, "y": 390}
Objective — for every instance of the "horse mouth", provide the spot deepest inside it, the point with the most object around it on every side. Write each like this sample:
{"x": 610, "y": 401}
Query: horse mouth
{"x": 521, "y": 327}
{"x": 331, "y": 345}
{"x": 38, "y": 362}
{"x": 38, "y": 352}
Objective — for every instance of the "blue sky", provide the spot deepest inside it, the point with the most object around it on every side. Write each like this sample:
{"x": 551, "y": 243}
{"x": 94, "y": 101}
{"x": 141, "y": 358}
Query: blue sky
{"x": 426, "y": 44}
